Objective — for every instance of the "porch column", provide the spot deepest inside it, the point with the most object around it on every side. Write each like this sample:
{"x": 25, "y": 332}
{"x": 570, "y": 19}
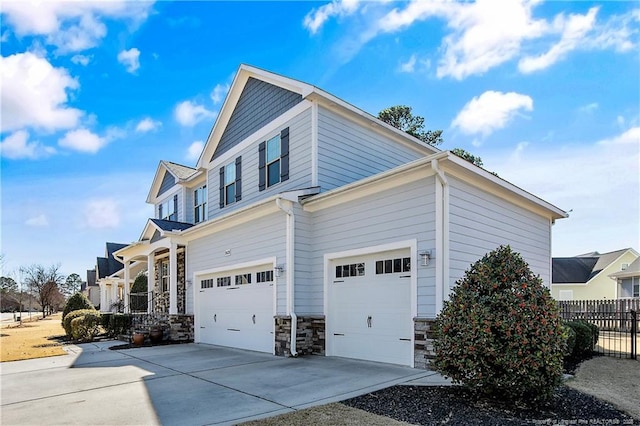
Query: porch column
{"x": 114, "y": 293}
{"x": 151, "y": 281}
{"x": 173, "y": 279}
{"x": 125, "y": 293}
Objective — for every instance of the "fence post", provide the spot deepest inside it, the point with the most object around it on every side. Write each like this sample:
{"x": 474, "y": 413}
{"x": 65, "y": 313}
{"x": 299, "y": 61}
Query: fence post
{"x": 634, "y": 335}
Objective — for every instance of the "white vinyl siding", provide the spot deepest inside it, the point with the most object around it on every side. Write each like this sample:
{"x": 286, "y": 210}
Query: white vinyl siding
{"x": 402, "y": 213}
{"x": 299, "y": 167}
{"x": 481, "y": 222}
{"x": 261, "y": 238}
{"x": 348, "y": 152}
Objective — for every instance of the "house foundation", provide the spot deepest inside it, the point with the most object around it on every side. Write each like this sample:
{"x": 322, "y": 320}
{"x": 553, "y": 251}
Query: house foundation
{"x": 310, "y": 335}
{"x": 423, "y": 342}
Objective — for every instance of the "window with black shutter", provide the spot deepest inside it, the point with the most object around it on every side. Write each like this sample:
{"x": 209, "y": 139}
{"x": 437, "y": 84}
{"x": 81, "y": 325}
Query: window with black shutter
{"x": 273, "y": 161}
{"x": 231, "y": 182}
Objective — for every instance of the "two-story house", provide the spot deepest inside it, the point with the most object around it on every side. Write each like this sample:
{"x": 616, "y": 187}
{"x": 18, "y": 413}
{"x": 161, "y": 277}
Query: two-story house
{"x": 307, "y": 213}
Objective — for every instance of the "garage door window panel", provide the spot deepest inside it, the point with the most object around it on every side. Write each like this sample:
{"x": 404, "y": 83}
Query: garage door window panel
{"x": 243, "y": 279}
{"x": 350, "y": 270}
{"x": 393, "y": 266}
{"x": 264, "y": 276}
{"x": 224, "y": 281}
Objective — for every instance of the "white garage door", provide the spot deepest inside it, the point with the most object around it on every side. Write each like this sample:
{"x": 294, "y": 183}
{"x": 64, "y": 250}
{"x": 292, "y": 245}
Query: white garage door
{"x": 370, "y": 307}
{"x": 236, "y": 308}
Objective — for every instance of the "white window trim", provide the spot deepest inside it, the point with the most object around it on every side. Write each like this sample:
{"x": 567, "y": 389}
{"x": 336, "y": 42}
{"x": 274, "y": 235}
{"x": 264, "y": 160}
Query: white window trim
{"x": 267, "y": 163}
{"x": 203, "y": 204}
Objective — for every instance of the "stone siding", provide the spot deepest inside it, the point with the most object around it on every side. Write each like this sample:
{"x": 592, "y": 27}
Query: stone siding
{"x": 310, "y": 335}
{"x": 160, "y": 298}
{"x": 423, "y": 342}
{"x": 177, "y": 328}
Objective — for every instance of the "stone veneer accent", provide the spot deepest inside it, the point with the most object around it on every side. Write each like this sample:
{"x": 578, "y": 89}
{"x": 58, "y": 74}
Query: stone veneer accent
{"x": 161, "y": 299}
{"x": 310, "y": 337}
{"x": 423, "y": 342}
{"x": 177, "y": 328}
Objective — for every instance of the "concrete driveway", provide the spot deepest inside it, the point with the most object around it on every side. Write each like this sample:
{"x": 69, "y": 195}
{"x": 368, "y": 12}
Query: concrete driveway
{"x": 189, "y": 384}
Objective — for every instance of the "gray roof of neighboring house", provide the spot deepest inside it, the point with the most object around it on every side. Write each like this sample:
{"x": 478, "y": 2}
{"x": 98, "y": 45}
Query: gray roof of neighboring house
{"x": 109, "y": 265}
{"x": 581, "y": 268}
{"x": 170, "y": 225}
{"x": 91, "y": 277}
{"x": 572, "y": 269}
{"x": 633, "y": 270}
{"x": 180, "y": 171}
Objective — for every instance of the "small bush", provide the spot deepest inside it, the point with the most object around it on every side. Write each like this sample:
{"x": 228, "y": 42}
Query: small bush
{"x": 76, "y": 302}
{"x": 85, "y": 327}
{"x": 66, "y": 322}
{"x": 585, "y": 339}
{"x": 119, "y": 324}
{"x": 501, "y": 334}
{"x": 105, "y": 319}
{"x": 571, "y": 340}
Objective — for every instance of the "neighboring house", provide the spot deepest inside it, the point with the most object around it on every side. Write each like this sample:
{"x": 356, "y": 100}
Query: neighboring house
{"x": 587, "y": 276}
{"x": 109, "y": 278}
{"x": 305, "y": 210}
{"x": 628, "y": 280}
{"x": 91, "y": 289}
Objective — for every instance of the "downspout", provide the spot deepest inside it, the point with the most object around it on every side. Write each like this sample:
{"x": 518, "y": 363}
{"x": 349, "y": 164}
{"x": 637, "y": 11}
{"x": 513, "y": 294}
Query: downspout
{"x": 442, "y": 251}
{"x": 291, "y": 222}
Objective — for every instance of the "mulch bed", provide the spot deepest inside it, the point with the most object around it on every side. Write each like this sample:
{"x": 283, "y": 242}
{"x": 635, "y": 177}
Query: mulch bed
{"x": 454, "y": 405}
{"x": 148, "y": 344}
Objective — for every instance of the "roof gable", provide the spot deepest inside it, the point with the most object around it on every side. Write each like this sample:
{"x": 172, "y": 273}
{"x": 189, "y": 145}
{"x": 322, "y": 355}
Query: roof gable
{"x": 154, "y": 227}
{"x": 167, "y": 175}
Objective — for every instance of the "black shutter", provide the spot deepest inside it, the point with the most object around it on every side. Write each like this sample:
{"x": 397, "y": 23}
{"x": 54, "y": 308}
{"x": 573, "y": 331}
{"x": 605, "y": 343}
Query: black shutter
{"x": 238, "y": 178}
{"x": 175, "y": 207}
{"x": 284, "y": 154}
{"x": 160, "y": 211}
{"x": 262, "y": 166}
{"x": 222, "y": 187}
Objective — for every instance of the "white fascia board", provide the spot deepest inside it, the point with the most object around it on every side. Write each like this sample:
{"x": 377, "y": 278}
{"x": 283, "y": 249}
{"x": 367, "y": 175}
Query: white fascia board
{"x": 155, "y": 183}
{"x": 570, "y": 284}
{"x": 126, "y": 252}
{"x": 409, "y": 172}
{"x": 499, "y": 187}
{"x": 352, "y": 112}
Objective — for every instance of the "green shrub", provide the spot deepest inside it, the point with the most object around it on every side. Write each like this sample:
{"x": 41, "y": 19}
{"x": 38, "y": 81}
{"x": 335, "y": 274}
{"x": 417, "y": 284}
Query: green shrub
{"x": 571, "y": 340}
{"x": 66, "y": 322}
{"x": 105, "y": 320}
{"x": 501, "y": 334}
{"x": 119, "y": 324}
{"x": 585, "y": 339}
{"x": 76, "y": 302}
{"x": 85, "y": 327}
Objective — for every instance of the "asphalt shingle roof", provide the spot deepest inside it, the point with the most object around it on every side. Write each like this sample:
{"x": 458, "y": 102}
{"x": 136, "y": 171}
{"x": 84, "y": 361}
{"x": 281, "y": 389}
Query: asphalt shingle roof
{"x": 572, "y": 269}
{"x": 170, "y": 225}
{"x": 178, "y": 170}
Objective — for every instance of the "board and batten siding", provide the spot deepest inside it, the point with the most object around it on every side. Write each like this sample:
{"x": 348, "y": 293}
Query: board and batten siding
{"x": 402, "y": 213}
{"x": 299, "y": 168}
{"x": 481, "y": 222}
{"x": 259, "y": 239}
{"x": 348, "y": 151}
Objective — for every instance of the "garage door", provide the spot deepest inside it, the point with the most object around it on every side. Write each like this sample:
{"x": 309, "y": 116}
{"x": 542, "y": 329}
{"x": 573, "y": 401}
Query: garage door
{"x": 370, "y": 307}
{"x": 236, "y": 308}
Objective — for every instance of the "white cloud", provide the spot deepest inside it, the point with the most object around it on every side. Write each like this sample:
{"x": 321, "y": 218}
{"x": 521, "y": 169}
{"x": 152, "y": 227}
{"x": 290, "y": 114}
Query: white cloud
{"x": 599, "y": 181}
{"x": 219, "y": 92}
{"x": 589, "y": 108}
{"x": 37, "y": 221}
{"x": 82, "y": 140}
{"x": 71, "y": 26}
{"x": 409, "y": 66}
{"x": 130, "y": 59}
{"x": 194, "y": 150}
{"x": 34, "y": 94}
{"x": 81, "y": 60}
{"x": 188, "y": 113}
{"x": 17, "y": 146}
{"x": 147, "y": 125}
{"x": 102, "y": 213}
{"x": 315, "y": 19}
{"x": 574, "y": 29}
{"x": 490, "y": 111}
{"x": 619, "y": 32}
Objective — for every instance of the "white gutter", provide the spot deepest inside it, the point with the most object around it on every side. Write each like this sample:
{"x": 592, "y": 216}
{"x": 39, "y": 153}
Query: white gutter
{"x": 291, "y": 222}
{"x": 442, "y": 237}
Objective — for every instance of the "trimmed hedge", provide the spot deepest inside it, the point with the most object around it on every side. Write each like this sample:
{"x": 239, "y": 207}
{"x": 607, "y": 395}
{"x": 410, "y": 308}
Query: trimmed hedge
{"x": 85, "y": 327}
{"x": 571, "y": 340}
{"x": 500, "y": 333}
{"x": 586, "y": 338}
{"x": 66, "y": 322}
{"x": 118, "y": 324}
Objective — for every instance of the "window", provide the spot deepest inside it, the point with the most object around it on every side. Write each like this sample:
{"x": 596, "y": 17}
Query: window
{"x": 264, "y": 276}
{"x": 351, "y": 270}
{"x": 243, "y": 279}
{"x": 635, "y": 283}
{"x": 168, "y": 210}
{"x": 224, "y": 282}
{"x": 273, "y": 160}
{"x": 231, "y": 183}
{"x": 200, "y": 204}
{"x": 392, "y": 266}
{"x": 206, "y": 283}
{"x": 624, "y": 266}
{"x": 164, "y": 275}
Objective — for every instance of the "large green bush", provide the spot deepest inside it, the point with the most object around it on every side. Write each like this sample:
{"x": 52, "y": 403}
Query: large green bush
{"x": 571, "y": 340}
{"x": 500, "y": 333}
{"x": 66, "y": 322}
{"x": 76, "y": 302}
{"x": 586, "y": 338}
{"x": 85, "y": 327}
{"x": 118, "y": 324}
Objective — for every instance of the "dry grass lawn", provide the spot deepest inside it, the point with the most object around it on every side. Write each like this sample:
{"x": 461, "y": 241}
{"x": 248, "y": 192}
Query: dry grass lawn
{"x": 31, "y": 339}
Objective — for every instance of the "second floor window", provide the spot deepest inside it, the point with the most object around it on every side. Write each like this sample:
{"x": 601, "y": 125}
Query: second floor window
{"x": 231, "y": 182}
{"x": 200, "y": 204}
{"x": 273, "y": 160}
{"x": 168, "y": 210}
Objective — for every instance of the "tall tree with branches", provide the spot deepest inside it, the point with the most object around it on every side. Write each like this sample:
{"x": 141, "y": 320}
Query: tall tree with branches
{"x": 72, "y": 285}
{"x": 44, "y": 284}
{"x": 401, "y": 117}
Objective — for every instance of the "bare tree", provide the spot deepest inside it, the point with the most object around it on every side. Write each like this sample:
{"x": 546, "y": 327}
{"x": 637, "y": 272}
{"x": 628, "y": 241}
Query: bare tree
{"x": 43, "y": 283}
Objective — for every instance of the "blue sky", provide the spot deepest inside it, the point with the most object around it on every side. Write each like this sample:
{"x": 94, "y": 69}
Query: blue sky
{"x": 95, "y": 94}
